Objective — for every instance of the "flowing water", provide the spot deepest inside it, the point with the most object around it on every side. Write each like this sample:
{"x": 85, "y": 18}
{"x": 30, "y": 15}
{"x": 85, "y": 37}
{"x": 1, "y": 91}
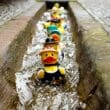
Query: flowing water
{"x": 45, "y": 97}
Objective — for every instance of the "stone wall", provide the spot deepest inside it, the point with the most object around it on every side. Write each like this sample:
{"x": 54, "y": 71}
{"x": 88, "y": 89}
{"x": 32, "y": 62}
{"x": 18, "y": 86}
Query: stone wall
{"x": 15, "y": 36}
{"x": 92, "y": 50}
{"x": 100, "y": 9}
{"x": 12, "y": 8}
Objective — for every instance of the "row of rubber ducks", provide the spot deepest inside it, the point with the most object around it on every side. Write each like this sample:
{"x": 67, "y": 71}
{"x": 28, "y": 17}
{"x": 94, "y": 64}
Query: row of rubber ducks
{"x": 52, "y": 72}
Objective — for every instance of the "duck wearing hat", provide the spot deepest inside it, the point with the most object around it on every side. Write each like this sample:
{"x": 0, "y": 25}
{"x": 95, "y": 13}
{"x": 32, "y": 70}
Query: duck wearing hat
{"x": 52, "y": 71}
{"x": 61, "y": 10}
{"x": 54, "y": 21}
{"x": 55, "y": 11}
{"x": 51, "y": 28}
{"x": 55, "y": 14}
{"x": 51, "y": 22}
{"x": 57, "y": 5}
{"x": 59, "y": 27}
{"x": 54, "y": 33}
{"x": 58, "y": 22}
{"x": 51, "y": 43}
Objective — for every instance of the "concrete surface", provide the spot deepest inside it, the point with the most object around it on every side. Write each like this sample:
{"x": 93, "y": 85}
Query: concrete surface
{"x": 93, "y": 56}
{"x": 14, "y": 38}
{"x": 100, "y": 9}
{"x": 15, "y": 35}
{"x": 13, "y": 8}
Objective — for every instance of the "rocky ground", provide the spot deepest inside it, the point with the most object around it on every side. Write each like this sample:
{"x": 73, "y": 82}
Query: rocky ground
{"x": 100, "y": 9}
{"x": 13, "y": 8}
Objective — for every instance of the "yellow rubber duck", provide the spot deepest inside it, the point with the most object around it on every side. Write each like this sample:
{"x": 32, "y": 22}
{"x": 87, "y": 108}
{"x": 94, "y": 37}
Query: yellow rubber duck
{"x": 51, "y": 43}
{"x": 57, "y": 5}
{"x": 56, "y": 11}
{"x": 60, "y": 24}
{"x": 55, "y": 15}
{"x": 52, "y": 71}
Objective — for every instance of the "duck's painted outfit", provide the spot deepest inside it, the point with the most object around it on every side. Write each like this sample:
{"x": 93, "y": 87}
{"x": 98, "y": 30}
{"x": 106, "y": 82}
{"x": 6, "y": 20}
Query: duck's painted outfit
{"x": 53, "y": 77}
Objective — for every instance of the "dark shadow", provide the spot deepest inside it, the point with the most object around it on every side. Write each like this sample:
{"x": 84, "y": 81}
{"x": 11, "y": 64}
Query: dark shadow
{"x": 50, "y": 3}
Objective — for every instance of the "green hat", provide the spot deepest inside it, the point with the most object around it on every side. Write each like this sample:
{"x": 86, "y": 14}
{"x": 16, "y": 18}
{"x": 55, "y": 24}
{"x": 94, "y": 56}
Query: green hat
{"x": 51, "y": 28}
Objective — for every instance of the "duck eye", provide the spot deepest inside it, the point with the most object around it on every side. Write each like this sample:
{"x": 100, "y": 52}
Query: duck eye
{"x": 46, "y": 54}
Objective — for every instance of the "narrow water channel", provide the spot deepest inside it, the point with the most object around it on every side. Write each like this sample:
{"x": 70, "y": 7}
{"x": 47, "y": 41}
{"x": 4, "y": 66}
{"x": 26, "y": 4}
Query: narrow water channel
{"x": 45, "y": 97}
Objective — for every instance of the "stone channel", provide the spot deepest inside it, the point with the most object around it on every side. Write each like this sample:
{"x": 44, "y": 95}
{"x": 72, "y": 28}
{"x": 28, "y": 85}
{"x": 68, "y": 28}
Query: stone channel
{"x": 37, "y": 96}
{"x": 11, "y": 9}
{"x": 86, "y": 60}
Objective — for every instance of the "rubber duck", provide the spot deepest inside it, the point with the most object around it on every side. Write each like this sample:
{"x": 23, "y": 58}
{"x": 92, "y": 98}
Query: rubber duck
{"x": 54, "y": 33}
{"x": 56, "y": 8}
{"x": 50, "y": 22}
{"x": 54, "y": 21}
{"x": 51, "y": 43}
{"x": 55, "y": 13}
{"x": 61, "y": 27}
{"x": 57, "y": 5}
{"x": 60, "y": 23}
{"x": 56, "y": 26}
{"x": 52, "y": 72}
{"x": 64, "y": 23}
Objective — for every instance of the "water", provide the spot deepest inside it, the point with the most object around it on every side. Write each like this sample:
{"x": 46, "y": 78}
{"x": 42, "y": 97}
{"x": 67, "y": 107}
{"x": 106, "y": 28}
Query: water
{"x": 46, "y": 97}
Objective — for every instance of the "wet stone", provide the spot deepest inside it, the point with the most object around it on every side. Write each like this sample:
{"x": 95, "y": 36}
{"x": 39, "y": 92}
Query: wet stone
{"x": 47, "y": 97}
